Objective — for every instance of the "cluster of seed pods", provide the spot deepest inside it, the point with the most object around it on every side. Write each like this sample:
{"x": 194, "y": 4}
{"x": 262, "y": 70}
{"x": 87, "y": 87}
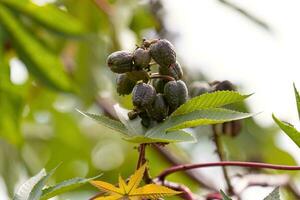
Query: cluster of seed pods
{"x": 155, "y": 95}
{"x": 198, "y": 88}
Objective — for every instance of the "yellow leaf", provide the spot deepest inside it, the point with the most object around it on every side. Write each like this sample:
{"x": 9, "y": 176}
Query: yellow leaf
{"x": 107, "y": 187}
{"x": 131, "y": 191}
{"x": 123, "y": 186}
{"x": 153, "y": 191}
{"x": 136, "y": 178}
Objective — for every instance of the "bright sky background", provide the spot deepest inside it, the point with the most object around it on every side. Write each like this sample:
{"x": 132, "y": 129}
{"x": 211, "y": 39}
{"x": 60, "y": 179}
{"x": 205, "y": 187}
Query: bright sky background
{"x": 226, "y": 45}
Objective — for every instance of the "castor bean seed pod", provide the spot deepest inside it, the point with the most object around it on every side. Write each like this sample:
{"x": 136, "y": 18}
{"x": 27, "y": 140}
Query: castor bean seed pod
{"x": 143, "y": 95}
{"x": 176, "y": 94}
{"x": 223, "y": 85}
{"x": 120, "y": 62}
{"x": 198, "y": 88}
{"x": 138, "y": 75}
{"x": 159, "y": 84}
{"x": 132, "y": 114}
{"x": 163, "y": 52}
{"x": 146, "y": 120}
{"x": 174, "y": 70}
{"x": 159, "y": 109}
{"x": 124, "y": 84}
{"x": 232, "y": 128}
{"x": 141, "y": 58}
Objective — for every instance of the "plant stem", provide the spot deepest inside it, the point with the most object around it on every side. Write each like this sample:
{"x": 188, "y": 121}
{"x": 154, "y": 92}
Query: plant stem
{"x": 186, "y": 192}
{"x": 166, "y": 77}
{"x": 179, "y": 168}
{"x": 220, "y": 152}
{"x": 142, "y": 160}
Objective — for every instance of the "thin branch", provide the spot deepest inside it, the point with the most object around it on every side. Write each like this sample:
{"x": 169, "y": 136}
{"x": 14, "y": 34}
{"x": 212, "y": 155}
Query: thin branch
{"x": 195, "y": 176}
{"x": 246, "y": 14}
{"x": 186, "y": 193}
{"x": 166, "y": 77}
{"x": 220, "y": 152}
{"x": 179, "y": 168}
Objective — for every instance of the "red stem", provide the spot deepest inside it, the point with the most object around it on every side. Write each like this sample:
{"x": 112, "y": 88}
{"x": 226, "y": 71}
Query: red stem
{"x": 178, "y": 168}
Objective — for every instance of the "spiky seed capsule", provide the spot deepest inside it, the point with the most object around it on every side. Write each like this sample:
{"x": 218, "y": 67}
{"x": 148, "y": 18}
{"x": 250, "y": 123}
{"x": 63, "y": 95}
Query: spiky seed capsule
{"x": 120, "y": 62}
{"x": 159, "y": 109}
{"x": 163, "y": 52}
{"x": 176, "y": 94}
{"x": 141, "y": 58}
{"x": 174, "y": 70}
{"x": 143, "y": 95}
{"x": 198, "y": 88}
{"x": 138, "y": 75}
{"x": 124, "y": 84}
{"x": 159, "y": 84}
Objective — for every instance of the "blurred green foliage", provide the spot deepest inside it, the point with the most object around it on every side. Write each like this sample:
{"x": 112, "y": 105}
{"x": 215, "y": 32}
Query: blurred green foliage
{"x": 64, "y": 48}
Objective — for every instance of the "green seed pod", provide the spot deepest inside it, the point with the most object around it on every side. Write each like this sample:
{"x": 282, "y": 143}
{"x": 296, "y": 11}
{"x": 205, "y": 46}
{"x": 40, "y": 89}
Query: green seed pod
{"x": 198, "y": 88}
{"x": 159, "y": 84}
{"x": 143, "y": 95}
{"x": 141, "y": 58}
{"x": 159, "y": 109}
{"x": 138, "y": 75}
{"x": 124, "y": 84}
{"x": 120, "y": 62}
{"x": 163, "y": 52}
{"x": 176, "y": 94}
{"x": 173, "y": 70}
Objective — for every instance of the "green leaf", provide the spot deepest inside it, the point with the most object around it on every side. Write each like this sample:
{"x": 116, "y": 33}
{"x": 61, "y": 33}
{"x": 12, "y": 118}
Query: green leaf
{"x": 297, "y": 95}
{"x": 225, "y": 197}
{"x": 274, "y": 195}
{"x": 37, "y": 190}
{"x": 32, "y": 189}
{"x": 109, "y": 123}
{"x": 170, "y": 137}
{"x": 210, "y": 100}
{"x": 177, "y": 136}
{"x": 40, "y": 61}
{"x": 25, "y": 189}
{"x": 65, "y": 186}
{"x": 48, "y": 15}
{"x": 289, "y": 129}
{"x": 197, "y": 118}
{"x": 133, "y": 126}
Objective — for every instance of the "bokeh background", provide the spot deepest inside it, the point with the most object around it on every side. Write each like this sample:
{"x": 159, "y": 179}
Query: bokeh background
{"x": 254, "y": 44}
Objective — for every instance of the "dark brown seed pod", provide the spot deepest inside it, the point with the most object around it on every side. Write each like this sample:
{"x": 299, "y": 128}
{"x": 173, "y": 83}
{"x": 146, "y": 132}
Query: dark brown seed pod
{"x": 163, "y": 52}
{"x": 198, "y": 88}
{"x": 176, "y": 94}
{"x": 132, "y": 114}
{"x": 146, "y": 120}
{"x": 232, "y": 128}
{"x": 124, "y": 84}
{"x": 159, "y": 84}
{"x": 138, "y": 75}
{"x": 141, "y": 58}
{"x": 174, "y": 70}
{"x": 159, "y": 109}
{"x": 120, "y": 62}
{"x": 223, "y": 85}
{"x": 143, "y": 95}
